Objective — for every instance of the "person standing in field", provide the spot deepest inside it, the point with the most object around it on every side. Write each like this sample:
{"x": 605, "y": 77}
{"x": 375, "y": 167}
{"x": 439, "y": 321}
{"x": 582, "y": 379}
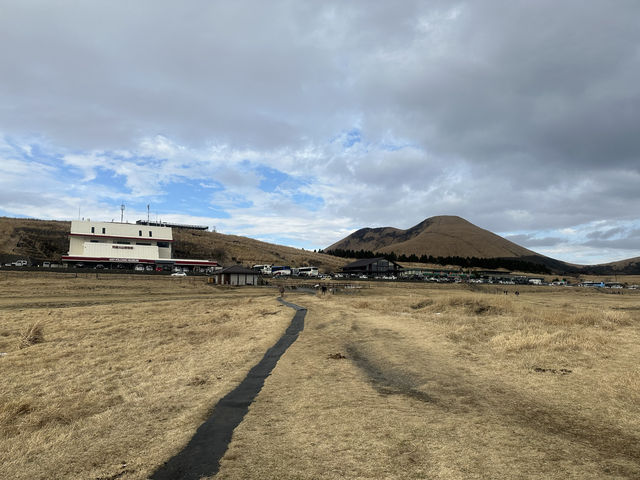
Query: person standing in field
{"x": 281, "y": 291}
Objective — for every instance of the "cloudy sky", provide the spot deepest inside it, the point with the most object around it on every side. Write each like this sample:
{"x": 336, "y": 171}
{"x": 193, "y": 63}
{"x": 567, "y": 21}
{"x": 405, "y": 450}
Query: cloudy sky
{"x": 300, "y": 122}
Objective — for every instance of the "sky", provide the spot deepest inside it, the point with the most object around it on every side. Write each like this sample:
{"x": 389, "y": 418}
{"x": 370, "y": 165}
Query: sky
{"x": 300, "y": 122}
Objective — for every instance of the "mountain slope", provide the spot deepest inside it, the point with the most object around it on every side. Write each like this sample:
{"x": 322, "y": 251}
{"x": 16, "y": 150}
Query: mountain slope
{"x": 451, "y": 236}
{"x": 442, "y": 236}
{"x": 630, "y": 266}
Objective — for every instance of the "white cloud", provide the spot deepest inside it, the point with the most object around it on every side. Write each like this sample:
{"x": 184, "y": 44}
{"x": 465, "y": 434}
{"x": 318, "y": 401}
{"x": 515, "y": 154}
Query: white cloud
{"x": 518, "y": 117}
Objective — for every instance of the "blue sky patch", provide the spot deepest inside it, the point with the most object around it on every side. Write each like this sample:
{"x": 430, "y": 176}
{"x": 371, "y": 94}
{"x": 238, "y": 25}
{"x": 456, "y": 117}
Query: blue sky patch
{"x": 352, "y": 137}
{"x": 308, "y": 202}
{"x": 271, "y": 178}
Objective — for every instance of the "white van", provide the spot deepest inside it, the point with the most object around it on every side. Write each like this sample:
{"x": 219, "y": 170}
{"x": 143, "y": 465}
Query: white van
{"x": 263, "y": 269}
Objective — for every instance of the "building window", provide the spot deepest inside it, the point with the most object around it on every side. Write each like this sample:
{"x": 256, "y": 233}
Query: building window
{"x": 104, "y": 230}
{"x": 123, "y": 243}
{"x": 143, "y": 243}
{"x": 94, "y": 241}
{"x": 93, "y": 229}
{"x": 163, "y": 244}
{"x": 150, "y": 233}
{"x": 139, "y": 233}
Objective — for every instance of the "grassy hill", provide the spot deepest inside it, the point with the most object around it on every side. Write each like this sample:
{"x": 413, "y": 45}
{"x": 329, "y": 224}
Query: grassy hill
{"x": 442, "y": 236}
{"x": 36, "y": 239}
{"x": 451, "y": 236}
{"x": 48, "y": 240}
{"x": 231, "y": 249}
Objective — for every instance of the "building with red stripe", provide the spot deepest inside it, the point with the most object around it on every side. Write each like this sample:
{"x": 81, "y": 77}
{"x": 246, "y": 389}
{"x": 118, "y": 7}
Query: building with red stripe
{"x": 125, "y": 245}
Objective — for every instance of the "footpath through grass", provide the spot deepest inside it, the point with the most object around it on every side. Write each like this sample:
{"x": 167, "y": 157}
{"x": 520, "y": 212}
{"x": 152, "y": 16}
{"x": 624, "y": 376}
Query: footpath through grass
{"x": 125, "y": 369}
{"x": 451, "y": 383}
{"x": 397, "y": 381}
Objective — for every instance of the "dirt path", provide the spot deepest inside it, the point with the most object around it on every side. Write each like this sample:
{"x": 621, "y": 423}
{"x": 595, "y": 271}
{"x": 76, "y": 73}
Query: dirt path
{"x": 201, "y": 457}
{"x": 369, "y": 395}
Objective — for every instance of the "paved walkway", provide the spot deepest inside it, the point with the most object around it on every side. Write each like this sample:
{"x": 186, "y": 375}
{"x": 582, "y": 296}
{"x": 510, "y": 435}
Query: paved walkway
{"x": 201, "y": 457}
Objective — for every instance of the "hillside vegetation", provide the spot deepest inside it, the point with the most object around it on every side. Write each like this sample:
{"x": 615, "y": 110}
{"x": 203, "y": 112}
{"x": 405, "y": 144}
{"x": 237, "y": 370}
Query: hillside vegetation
{"x": 36, "y": 239}
{"x": 442, "y": 236}
{"x": 48, "y": 240}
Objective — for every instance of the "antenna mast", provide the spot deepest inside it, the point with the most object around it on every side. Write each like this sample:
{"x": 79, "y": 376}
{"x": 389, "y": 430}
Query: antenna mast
{"x": 122, "y": 213}
{"x": 148, "y": 213}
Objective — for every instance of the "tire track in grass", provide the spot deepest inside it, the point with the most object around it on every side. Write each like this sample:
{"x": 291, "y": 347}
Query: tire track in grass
{"x": 201, "y": 457}
{"x": 617, "y": 451}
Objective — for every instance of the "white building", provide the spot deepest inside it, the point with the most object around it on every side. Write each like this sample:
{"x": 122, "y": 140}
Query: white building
{"x": 122, "y": 244}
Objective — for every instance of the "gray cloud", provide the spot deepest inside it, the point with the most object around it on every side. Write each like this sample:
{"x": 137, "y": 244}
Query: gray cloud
{"x": 615, "y": 238}
{"x": 530, "y": 241}
{"x": 605, "y": 234}
{"x": 519, "y": 116}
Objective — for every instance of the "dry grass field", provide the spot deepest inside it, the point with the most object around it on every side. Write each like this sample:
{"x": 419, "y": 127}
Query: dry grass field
{"x": 125, "y": 369}
{"x": 394, "y": 381}
{"x": 449, "y": 382}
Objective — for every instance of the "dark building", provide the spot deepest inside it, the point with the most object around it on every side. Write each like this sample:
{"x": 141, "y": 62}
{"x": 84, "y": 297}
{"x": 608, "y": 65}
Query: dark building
{"x": 236, "y": 275}
{"x": 372, "y": 266}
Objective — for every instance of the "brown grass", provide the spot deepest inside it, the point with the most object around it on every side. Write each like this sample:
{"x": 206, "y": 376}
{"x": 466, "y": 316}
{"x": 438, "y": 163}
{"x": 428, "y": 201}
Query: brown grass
{"x": 444, "y": 383}
{"x": 32, "y": 335}
{"x": 129, "y": 369}
{"x": 395, "y": 381}
{"x": 230, "y": 249}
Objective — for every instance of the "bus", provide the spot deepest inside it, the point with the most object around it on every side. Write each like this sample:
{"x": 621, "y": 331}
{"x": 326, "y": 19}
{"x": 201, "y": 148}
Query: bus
{"x": 280, "y": 271}
{"x": 263, "y": 269}
{"x": 308, "y": 271}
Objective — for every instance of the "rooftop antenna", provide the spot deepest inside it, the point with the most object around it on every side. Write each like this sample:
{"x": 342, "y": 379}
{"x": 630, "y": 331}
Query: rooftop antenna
{"x": 148, "y": 213}
{"x": 122, "y": 213}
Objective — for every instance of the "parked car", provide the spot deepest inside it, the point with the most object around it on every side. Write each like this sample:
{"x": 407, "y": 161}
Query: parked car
{"x": 99, "y": 266}
{"x": 178, "y": 274}
{"x": 139, "y": 268}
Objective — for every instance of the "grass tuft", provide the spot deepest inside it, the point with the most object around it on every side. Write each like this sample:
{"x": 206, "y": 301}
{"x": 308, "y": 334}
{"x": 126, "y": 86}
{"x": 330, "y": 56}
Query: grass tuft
{"x": 422, "y": 304}
{"x": 197, "y": 381}
{"x": 361, "y": 305}
{"x": 33, "y": 335}
{"x": 473, "y": 305}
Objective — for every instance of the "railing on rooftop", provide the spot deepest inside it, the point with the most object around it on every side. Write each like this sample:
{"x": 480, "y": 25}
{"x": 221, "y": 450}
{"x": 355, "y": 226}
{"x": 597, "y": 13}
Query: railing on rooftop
{"x": 172, "y": 225}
